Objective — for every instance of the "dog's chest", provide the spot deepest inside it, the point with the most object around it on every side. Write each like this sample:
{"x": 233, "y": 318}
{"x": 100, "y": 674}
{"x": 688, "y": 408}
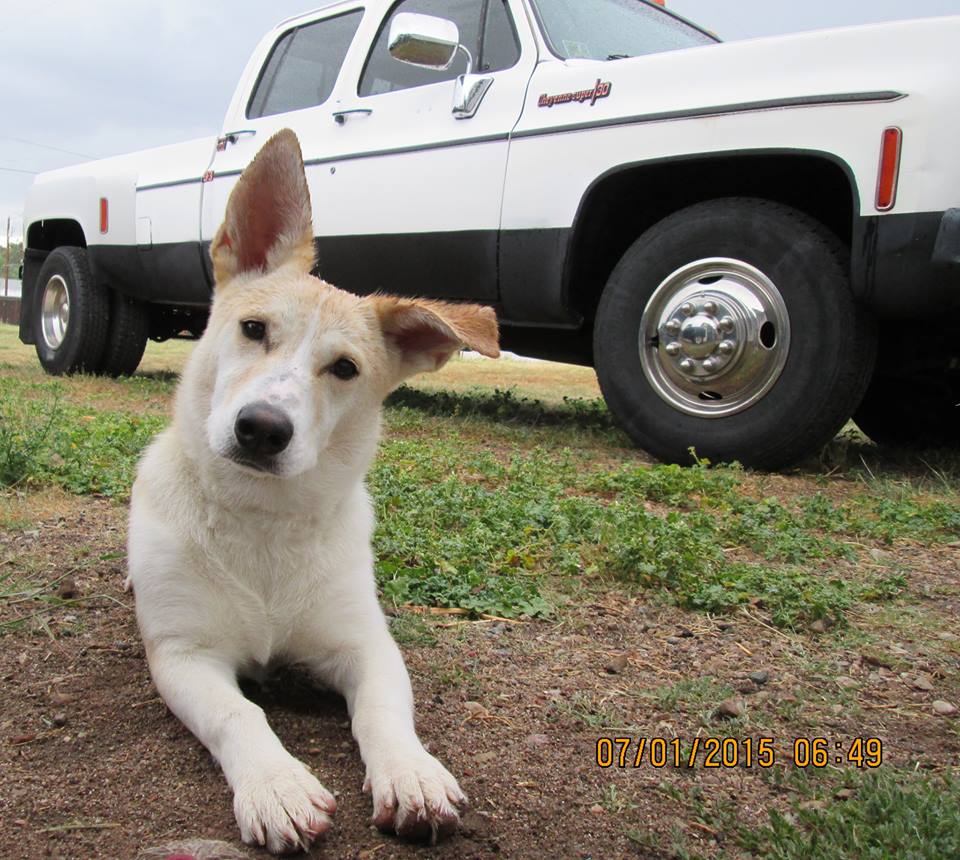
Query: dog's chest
{"x": 268, "y": 576}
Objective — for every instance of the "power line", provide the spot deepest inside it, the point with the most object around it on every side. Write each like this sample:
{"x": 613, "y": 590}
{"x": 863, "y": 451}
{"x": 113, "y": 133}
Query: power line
{"x": 45, "y": 146}
{"x": 20, "y": 170}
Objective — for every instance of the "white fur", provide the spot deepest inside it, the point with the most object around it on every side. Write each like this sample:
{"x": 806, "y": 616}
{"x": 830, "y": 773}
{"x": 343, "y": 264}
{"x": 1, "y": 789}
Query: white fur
{"x": 234, "y": 571}
{"x": 237, "y": 567}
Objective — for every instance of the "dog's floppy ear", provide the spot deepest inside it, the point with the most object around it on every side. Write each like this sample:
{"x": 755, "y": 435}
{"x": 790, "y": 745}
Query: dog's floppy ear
{"x": 268, "y": 221}
{"x": 424, "y": 334}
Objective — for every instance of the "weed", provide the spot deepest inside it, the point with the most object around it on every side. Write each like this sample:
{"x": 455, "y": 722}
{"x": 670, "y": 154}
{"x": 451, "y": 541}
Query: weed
{"x": 408, "y": 628}
{"x": 890, "y": 814}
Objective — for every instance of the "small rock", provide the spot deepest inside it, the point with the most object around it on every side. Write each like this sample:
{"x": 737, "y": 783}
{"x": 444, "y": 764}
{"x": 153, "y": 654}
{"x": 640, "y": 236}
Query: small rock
{"x": 746, "y": 687}
{"x": 59, "y": 698}
{"x": 944, "y": 709}
{"x": 22, "y": 658}
{"x": 673, "y": 640}
{"x": 818, "y": 626}
{"x": 723, "y": 627}
{"x": 949, "y": 637}
{"x": 617, "y": 665}
{"x": 813, "y": 805}
{"x": 537, "y": 740}
{"x": 596, "y": 809}
{"x": 843, "y": 794}
{"x": 730, "y": 709}
{"x": 67, "y": 590}
{"x": 759, "y": 678}
{"x": 875, "y": 658}
{"x": 686, "y": 634}
{"x": 922, "y": 682}
{"x": 484, "y": 757}
{"x": 845, "y": 682}
{"x": 474, "y": 708}
{"x": 59, "y": 719}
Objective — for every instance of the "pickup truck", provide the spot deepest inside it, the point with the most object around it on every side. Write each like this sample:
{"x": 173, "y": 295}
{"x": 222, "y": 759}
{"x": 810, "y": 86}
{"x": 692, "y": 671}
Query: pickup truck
{"x": 739, "y": 237}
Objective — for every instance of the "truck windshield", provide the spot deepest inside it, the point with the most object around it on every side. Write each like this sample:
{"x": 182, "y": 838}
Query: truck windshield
{"x": 613, "y": 29}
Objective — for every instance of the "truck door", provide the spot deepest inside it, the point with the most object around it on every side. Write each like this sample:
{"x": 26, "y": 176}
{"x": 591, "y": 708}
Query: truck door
{"x": 412, "y": 202}
{"x": 290, "y": 83}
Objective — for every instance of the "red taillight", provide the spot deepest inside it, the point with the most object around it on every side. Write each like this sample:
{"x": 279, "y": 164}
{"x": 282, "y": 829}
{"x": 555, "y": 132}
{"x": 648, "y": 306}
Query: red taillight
{"x": 889, "y": 168}
{"x": 104, "y": 215}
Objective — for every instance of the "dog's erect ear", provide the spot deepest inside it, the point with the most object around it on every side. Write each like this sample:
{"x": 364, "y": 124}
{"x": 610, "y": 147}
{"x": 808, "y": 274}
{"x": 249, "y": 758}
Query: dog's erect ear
{"x": 426, "y": 333}
{"x": 268, "y": 221}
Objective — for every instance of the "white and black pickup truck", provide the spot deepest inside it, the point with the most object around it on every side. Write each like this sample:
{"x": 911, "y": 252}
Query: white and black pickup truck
{"x": 750, "y": 241}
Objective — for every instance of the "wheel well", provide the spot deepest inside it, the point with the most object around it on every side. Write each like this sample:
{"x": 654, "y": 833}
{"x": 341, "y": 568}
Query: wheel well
{"x": 625, "y": 203}
{"x": 55, "y": 232}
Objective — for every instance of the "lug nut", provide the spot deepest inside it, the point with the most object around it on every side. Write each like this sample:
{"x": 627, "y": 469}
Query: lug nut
{"x": 725, "y": 347}
{"x": 710, "y": 308}
{"x": 726, "y": 324}
{"x": 672, "y": 348}
{"x": 672, "y": 328}
{"x": 709, "y": 365}
{"x": 686, "y": 365}
{"x": 687, "y": 309}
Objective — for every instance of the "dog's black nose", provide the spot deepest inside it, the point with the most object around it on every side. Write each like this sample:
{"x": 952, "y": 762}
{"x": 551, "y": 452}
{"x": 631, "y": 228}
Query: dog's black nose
{"x": 262, "y": 430}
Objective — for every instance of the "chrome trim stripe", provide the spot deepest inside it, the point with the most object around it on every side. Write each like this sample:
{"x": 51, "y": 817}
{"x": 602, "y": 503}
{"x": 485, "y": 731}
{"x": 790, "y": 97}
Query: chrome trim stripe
{"x": 691, "y": 113}
{"x": 400, "y": 150}
{"x": 170, "y": 184}
{"x": 721, "y": 110}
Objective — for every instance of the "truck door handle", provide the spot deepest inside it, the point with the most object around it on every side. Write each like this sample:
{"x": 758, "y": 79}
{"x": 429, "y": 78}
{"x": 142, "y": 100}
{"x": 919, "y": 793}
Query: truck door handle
{"x": 232, "y": 136}
{"x": 340, "y": 116}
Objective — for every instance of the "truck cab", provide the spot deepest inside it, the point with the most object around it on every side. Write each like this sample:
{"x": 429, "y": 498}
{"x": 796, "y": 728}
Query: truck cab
{"x": 732, "y": 234}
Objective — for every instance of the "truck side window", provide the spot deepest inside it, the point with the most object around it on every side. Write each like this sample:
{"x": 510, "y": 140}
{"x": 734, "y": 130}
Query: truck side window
{"x": 303, "y": 66}
{"x": 492, "y": 41}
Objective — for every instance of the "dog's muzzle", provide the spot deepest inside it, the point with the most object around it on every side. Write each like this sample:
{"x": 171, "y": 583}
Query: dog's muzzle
{"x": 262, "y": 431}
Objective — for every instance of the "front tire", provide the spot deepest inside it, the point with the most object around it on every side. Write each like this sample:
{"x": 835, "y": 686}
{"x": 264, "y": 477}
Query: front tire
{"x": 729, "y": 328}
{"x": 71, "y": 314}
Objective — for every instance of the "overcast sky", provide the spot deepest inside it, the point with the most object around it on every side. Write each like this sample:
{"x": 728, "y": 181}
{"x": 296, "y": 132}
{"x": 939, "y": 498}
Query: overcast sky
{"x": 101, "y": 77}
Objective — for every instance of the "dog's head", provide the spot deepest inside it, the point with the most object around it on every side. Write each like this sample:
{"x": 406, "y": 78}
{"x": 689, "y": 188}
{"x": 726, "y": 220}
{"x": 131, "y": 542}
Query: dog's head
{"x": 291, "y": 368}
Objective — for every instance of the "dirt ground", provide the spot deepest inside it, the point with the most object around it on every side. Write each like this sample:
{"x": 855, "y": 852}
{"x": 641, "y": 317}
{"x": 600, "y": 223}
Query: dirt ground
{"x": 93, "y": 765}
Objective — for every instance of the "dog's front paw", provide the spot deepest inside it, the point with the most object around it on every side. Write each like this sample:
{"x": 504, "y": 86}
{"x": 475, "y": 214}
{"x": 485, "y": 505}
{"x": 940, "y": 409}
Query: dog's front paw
{"x": 285, "y": 808}
{"x": 414, "y": 796}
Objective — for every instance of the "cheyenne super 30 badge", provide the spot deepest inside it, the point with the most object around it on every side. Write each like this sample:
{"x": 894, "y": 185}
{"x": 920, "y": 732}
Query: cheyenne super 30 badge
{"x": 600, "y": 90}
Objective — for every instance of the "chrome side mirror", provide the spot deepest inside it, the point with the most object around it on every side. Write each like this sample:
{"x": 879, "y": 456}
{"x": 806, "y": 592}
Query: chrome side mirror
{"x": 423, "y": 40}
{"x": 431, "y": 42}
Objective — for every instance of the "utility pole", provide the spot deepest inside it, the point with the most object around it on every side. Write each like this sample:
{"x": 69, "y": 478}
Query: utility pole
{"x": 6, "y": 262}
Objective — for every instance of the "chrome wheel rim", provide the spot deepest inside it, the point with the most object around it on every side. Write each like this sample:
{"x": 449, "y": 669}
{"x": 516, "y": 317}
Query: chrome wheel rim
{"x": 714, "y": 337}
{"x": 55, "y": 311}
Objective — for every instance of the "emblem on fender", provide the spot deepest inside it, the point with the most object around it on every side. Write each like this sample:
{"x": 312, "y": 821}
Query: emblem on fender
{"x": 600, "y": 90}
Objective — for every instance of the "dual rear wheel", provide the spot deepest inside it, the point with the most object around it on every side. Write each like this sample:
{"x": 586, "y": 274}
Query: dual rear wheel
{"x": 81, "y": 326}
{"x": 729, "y": 331}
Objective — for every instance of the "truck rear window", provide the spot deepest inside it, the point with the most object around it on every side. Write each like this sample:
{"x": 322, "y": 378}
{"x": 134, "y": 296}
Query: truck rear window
{"x": 303, "y": 66}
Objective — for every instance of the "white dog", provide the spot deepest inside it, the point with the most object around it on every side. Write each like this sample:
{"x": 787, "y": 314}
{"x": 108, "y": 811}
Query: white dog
{"x": 250, "y": 524}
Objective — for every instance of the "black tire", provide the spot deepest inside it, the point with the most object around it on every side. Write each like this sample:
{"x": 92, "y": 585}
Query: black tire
{"x": 832, "y": 341}
{"x": 911, "y": 410}
{"x": 127, "y": 337}
{"x": 78, "y": 346}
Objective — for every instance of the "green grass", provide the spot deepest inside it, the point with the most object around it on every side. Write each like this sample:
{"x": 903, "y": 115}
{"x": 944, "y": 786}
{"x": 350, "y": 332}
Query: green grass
{"x": 508, "y": 529}
{"x": 891, "y": 813}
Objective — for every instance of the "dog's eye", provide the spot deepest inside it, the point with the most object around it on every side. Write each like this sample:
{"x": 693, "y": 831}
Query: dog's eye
{"x": 253, "y": 329}
{"x": 343, "y": 368}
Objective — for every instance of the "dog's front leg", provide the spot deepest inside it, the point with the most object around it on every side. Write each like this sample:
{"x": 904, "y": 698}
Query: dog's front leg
{"x": 277, "y": 801}
{"x": 413, "y": 794}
